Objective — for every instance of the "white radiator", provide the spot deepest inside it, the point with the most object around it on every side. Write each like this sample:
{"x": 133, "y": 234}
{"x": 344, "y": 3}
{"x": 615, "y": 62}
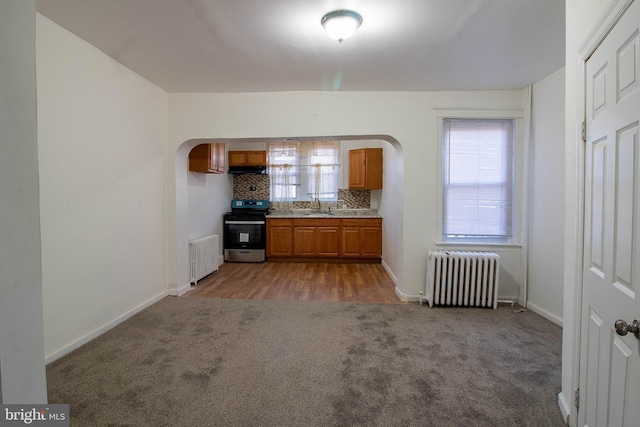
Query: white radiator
{"x": 203, "y": 257}
{"x": 457, "y": 278}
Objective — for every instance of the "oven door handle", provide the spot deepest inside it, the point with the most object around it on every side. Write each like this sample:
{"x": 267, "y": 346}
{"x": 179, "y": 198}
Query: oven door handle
{"x": 244, "y": 222}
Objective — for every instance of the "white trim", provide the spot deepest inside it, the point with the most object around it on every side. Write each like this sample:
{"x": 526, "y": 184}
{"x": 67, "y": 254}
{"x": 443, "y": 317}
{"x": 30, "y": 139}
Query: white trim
{"x": 406, "y": 297}
{"x": 179, "y": 291}
{"x": 595, "y": 37}
{"x": 440, "y": 192}
{"x": 565, "y": 409}
{"x": 527, "y": 191}
{"x": 390, "y": 273}
{"x": 544, "y": 313}
{"x": 478, "y": 113}
{"x": 604, "y": 25}
{"x": 501, "y": 298}
{"x": 518, "y": 117}
{"x": 479, "y": 244}
{"x": 102, "y": 329}
{"x": 579, "y": 239}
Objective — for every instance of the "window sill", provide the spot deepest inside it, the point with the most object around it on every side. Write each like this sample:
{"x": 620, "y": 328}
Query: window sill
{"x": 478, "y": 245}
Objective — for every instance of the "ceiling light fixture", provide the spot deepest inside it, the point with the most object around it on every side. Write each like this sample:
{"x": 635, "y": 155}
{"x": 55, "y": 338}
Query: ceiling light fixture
{"x": 341, "y": 24}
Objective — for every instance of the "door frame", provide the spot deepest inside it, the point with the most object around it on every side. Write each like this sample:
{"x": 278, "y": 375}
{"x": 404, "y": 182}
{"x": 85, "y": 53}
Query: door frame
{"x": 596, "y": 36}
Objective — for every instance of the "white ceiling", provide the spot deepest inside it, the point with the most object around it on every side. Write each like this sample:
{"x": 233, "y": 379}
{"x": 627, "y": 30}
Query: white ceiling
{"x": 279, "y": 45}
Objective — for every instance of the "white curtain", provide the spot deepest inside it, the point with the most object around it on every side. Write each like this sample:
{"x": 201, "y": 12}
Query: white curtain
{"x": 300, "y": 171}
{"x": 283, "y": 161}
{"x": 323, "y": 158}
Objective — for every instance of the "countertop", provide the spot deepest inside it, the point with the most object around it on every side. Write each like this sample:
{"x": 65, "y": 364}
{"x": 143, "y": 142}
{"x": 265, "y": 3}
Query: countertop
{"x": 329, "y": 213}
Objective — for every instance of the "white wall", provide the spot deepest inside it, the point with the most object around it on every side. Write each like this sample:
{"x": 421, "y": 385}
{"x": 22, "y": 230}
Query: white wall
{"x": 409, "y": 118}
{"x": 208, "y": 194}
{"x": 22, "y": 372}
{"x": 209, "y": 197}
{"x": 581, "y": 18}
{"x": 389, "y": 199}
{"x": 546, "y": 240}
{"x": 102, "y": 140}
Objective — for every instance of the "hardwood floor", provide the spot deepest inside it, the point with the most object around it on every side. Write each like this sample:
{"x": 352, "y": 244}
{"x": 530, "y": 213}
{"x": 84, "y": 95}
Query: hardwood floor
{"x": 299, "y": 281}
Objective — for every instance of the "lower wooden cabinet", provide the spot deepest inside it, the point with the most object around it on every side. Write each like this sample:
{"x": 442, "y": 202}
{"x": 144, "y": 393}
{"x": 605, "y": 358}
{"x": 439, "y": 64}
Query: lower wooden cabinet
{"x": 324, "y": 237}
{"x": 361, "y": 238}
{"x": 304, "y": 241}
{"x": 328, "y": 239}
{"x": 314, "y": 237}
{"x": 279, "y": 237}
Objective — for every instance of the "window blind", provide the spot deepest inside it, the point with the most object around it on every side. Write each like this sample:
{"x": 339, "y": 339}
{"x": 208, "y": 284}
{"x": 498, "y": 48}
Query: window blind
{"x": 477, "y": 180}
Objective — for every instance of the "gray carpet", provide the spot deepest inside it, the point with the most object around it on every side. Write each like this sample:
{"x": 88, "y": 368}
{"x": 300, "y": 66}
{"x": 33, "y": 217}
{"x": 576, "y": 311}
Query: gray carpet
{"x": 224, "y": 362}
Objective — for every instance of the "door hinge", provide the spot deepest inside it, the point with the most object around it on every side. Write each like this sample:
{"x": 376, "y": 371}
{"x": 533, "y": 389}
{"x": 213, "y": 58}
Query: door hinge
{"x": 584, "y": 132}
{"x": 576, "y": 398}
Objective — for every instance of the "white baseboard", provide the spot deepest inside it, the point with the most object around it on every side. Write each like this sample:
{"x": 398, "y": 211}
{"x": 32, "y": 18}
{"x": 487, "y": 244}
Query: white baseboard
{"x": 102, "y": 329}
{"x": 179, "y": 291}
{"x": 390, "y": 273}
{"x": 410, "y": 297}
{"x": 406, "y": 297}
{"x": 403, "y": 297}
{"x": 176, "y": 292}
{"x": 564, "y": 408}
{"x": 544, "y": 313}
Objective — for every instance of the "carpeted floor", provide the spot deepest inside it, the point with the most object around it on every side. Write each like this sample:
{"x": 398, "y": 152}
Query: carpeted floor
{"x": 225, "y": 362}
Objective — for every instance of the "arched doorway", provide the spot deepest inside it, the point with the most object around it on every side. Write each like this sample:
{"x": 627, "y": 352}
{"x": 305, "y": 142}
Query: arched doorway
{"x": 213, "y": 194}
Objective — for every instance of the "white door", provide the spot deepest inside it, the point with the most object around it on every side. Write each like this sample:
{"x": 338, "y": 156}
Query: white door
{"x": 610, "y": 362}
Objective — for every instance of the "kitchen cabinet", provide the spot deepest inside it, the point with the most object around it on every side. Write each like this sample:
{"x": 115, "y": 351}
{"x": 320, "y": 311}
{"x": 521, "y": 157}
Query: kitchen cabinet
{"x": 314, "y": 237}
{"x": 208, "y": 158}
{"x": 361, "y": 238}
{"x": 365, "y": 169}
{"x": 304, "y": 241}
{"x": 328, "y": 241}
{"x": 324, "y": 238}
{"x": 279, "y": 237}
{"x": 247, "y": 158}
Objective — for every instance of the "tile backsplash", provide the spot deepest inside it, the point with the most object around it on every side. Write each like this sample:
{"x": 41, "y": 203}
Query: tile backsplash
{"x": 355, "y": 199}
{"x": 242, "y": 184}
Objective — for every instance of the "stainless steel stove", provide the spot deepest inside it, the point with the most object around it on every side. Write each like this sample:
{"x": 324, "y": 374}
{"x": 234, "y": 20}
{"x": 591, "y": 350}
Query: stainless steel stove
{"x": 245, "y": 231}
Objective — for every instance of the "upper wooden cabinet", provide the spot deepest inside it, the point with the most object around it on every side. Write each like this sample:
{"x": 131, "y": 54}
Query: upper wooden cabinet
{"x": 208, "y": 158}
{"x": 247, "y": 158}
{"x": 365, "y": 169}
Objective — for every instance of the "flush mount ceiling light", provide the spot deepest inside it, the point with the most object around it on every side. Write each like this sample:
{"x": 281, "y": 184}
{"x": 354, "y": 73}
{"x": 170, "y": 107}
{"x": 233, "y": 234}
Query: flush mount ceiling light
{"x": 341, "y": 24}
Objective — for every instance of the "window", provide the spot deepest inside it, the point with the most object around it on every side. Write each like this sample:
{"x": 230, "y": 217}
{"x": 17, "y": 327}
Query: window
{"x": 284, "y": 171}
{"x": 322, "y": 170}
{"x": 303, "y": 171}
{"x": 477, "y": 180}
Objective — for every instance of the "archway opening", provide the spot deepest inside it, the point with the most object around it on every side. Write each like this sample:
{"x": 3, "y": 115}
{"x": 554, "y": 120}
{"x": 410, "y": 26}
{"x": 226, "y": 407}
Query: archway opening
{"x": 202, "y": 199}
